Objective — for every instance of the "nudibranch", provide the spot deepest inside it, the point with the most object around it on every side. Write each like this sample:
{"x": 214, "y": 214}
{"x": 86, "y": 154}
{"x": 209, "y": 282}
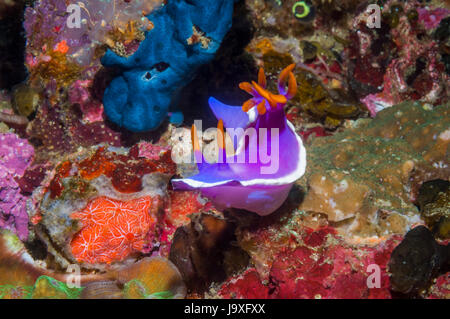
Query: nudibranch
{"x": 250, "y": 179}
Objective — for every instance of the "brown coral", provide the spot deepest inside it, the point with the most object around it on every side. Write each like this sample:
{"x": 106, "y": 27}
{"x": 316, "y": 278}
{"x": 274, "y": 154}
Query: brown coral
{"x": 365, "y": 179}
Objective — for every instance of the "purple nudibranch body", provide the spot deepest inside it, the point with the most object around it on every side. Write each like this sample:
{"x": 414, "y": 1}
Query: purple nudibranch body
{"x": 274, "y": 154}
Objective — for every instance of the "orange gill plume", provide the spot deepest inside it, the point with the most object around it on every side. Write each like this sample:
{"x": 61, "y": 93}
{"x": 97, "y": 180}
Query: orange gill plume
{"x": 287, "y": 76}
{"x": 261, "y": 94}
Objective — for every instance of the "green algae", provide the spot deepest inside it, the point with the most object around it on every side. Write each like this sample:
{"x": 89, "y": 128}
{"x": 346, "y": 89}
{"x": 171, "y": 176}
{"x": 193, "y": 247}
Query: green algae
{"x": 135, "y": 289}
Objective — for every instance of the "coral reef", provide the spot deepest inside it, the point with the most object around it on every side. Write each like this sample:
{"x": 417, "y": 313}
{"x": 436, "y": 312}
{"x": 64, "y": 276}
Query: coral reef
{"x": 348, "y": 63}
{"x": 365, "y": 179}
{"x": 102, "y": 206}
{"x": 186, "y": 34}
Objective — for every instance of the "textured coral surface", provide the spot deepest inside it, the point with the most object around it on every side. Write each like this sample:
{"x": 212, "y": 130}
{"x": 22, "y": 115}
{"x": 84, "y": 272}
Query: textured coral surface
{"x": 112, "y": 229}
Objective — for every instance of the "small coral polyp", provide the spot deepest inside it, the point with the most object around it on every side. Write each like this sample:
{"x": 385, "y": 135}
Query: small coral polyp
{"x": 260, "y": 185}
{"x": 112, "y": 229}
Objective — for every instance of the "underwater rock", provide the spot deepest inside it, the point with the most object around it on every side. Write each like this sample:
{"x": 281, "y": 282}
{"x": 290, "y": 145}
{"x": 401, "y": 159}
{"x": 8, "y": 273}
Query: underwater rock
{"x": 25, "y": 99}
{"x": 197, "y": 249}
{"x": 365, "y": 179}
{"x": 432, "y": 18}
{"x": 139, "y": 98}
{"x": 56, "y": 131}
{"x": 247, "y": 285}
{"x": 416, "y": 261}
{"x": 79, "y": 95}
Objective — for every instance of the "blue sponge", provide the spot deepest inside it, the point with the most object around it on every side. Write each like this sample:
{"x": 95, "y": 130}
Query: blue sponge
{"x": 186, "y": 34}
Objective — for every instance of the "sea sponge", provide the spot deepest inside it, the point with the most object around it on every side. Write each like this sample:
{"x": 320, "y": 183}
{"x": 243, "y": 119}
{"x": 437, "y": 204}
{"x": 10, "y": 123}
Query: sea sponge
{"x": 186, "y": 34}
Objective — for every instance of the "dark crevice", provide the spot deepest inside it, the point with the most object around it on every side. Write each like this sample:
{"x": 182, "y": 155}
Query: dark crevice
{"x": 12, "y": 45}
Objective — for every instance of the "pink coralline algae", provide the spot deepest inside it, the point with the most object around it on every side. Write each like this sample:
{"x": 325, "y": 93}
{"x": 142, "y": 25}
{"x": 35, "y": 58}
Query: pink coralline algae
{"x": 79, "y": 94}
{"x": 432, "y": 18}
{"x": 323, "y": 266}
{"x": 15, "y": 156}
